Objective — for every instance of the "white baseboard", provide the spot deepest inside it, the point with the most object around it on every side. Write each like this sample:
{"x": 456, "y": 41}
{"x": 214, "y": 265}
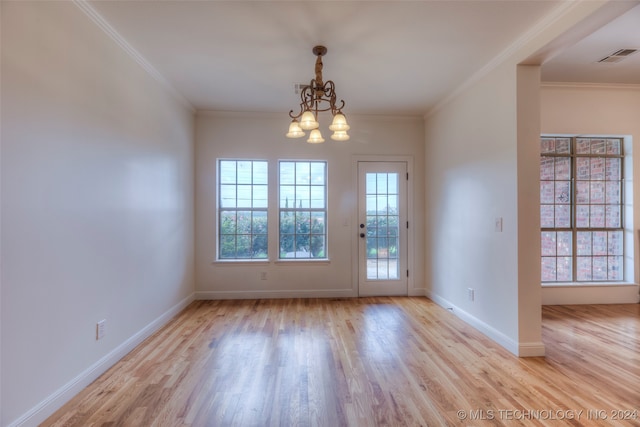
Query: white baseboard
{"x": 518, "y": 349}
{"x": 56, "y": 400}
{"x": 331, "y": 293}
{"x": 531, "y": 349}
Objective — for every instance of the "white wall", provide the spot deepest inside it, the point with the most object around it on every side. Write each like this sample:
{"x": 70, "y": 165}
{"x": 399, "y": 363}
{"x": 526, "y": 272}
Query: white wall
{"x": 576, "y": 109}
{"x": 472, "y": 180}
{"x": 261, "y": 136}
{"x": 97, "y": 205}
{"x": 480, "y": 166}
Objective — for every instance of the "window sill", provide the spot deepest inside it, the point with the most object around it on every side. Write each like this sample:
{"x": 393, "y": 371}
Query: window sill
{"x": 320, "y": 261}
{"x": 262, "y": 262}
{"x": 586, "y": 284}
{"x": 237, "y": 262}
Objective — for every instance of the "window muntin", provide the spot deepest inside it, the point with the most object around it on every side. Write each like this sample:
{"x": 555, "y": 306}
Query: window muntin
{"x": 303, "y": 209}
{"x": 242, "y": 209}
{"x": 383, "y": 225}
{"x": 581, "y": 210}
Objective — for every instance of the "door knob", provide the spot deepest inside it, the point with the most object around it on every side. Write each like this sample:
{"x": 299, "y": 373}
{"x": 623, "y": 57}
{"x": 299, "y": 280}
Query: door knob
{"x": 361, "y": 225}
{"x": 362, "y": 235}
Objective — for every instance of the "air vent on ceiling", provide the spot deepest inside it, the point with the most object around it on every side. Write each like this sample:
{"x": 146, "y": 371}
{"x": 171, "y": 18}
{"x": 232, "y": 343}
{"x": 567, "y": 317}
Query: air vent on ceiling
{"x": 618, "y": 55}
{"x": 299, "y": 87}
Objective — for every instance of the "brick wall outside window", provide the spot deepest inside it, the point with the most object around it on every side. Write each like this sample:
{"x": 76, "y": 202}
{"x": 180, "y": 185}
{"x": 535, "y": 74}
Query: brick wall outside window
{"x": 581, "y": 210}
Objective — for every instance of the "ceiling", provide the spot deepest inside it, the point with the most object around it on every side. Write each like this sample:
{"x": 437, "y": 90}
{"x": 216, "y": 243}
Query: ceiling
{"x": 580, "y": 62}
{"x": 385, "y": 57}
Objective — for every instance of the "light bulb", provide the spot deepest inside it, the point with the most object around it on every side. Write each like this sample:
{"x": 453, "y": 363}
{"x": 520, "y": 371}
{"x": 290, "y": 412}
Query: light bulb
{"x": 294, "y": 130}
{"x": 308, "y": 121}
{"x": 340, "y": 135}
{"x": 315, "y": 137}
{"x": 339, "y": 123}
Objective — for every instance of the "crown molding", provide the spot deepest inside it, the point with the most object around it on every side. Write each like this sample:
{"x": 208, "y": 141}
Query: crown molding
{"x": 539, "y": 28}
{"x": 102, "y": 23}
{"x": 283, "y": 115}
{"x": 581, "y": 85}
{"x": 241, "y": 114}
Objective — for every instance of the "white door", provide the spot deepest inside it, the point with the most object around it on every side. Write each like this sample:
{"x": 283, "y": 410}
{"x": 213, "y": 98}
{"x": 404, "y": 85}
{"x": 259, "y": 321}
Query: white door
{"x": 382, "y": 228}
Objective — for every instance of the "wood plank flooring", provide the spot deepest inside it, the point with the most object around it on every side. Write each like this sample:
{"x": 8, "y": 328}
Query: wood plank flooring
{"x": 366, "y": 362}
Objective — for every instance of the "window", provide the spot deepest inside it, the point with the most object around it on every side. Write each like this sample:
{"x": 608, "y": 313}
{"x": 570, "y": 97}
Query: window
{"x": 303, "y": 209}
{"x": 581, "y": 209}
{"x": 242, "y": 209}
{"x": 383, "y": 225}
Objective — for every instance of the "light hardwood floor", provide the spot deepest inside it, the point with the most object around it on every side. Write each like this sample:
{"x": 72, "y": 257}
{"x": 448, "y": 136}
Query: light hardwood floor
{"x": 366, "y": 362}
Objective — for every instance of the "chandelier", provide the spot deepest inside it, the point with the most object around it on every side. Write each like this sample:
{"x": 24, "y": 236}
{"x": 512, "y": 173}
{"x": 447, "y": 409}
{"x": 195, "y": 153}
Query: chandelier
{"x": 317, "y": 97}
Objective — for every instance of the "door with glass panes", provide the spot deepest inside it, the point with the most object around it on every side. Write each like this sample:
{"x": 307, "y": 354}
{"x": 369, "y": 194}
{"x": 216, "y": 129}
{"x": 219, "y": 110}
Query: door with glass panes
{"x": 382, "y": 228}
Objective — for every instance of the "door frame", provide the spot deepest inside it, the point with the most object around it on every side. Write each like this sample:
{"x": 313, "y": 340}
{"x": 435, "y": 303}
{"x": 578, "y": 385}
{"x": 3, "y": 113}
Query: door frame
{"x": 355, "y": 159}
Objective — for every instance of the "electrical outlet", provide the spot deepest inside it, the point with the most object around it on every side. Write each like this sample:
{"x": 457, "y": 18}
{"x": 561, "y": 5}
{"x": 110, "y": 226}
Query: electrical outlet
{"x": 471, "y": 294}
{"x": 263, "y": 275}
{"x": 101, "y": 329}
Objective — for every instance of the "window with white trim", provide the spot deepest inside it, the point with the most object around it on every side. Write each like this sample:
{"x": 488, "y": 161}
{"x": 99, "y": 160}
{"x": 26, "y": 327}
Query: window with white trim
{"x": 581, "y": 209}
{"x": 242, "y": 209}
{"x": 303, "y": 209}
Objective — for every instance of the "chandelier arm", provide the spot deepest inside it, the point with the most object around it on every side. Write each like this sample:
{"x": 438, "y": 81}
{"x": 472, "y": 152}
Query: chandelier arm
{"x": 308, "y": 95}
{"x": 330, "y": 97}
{"x": 332, "y": 101}
{"x": 315, "y": 107}
{"x": 335, "y": 110}
{"x": 306, "y": 98}
{"x": 329, "y": 88}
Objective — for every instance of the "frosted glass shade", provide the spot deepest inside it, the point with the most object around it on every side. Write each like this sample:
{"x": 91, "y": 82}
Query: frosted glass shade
{"x": 340, "y": 135}
{"x": 294, "y": 130}
{"x": 315, "y": 137}
{"x": 339, "y": 123}
{"x": 308, "y": 121}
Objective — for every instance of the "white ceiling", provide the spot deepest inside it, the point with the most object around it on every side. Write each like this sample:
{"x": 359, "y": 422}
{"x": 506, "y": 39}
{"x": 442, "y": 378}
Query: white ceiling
{"x": 385, "y": 57}
{"x": 579, "y": 63}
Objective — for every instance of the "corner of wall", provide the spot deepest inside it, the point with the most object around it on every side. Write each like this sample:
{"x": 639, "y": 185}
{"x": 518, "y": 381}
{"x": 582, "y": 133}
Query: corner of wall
{"x": 478, "y": 324}
{"x": 57, "y": 399}
{"x": 528, "y": 134}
